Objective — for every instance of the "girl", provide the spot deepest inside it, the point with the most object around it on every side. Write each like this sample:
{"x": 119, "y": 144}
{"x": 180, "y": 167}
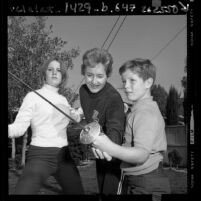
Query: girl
{"x": 48, "y": 153}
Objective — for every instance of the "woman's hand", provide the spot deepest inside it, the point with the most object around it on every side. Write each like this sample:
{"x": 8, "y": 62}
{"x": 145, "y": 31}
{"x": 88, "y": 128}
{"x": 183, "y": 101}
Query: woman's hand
{"x": 101, "y": 155}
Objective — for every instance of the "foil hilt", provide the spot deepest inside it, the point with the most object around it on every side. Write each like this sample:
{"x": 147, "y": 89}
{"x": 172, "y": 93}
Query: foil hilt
{"x": 89, "y": 134}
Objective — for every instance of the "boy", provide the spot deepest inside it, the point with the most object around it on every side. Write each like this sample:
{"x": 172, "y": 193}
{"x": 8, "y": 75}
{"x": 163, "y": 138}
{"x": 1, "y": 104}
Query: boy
{"x": 145, "y": 139}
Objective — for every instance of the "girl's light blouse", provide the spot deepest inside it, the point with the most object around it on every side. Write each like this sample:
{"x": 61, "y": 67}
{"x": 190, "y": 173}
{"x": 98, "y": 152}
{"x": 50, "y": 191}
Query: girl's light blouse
{"x": 49, "y": 126}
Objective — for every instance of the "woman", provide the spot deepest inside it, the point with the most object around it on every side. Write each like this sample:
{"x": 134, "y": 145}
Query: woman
{"x": 101, "y": 102}
{"x": 48, "y": 153}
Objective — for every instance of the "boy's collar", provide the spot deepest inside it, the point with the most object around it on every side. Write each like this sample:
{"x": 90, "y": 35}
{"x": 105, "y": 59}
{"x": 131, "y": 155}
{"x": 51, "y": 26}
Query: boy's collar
{"x": 142, "y": 101}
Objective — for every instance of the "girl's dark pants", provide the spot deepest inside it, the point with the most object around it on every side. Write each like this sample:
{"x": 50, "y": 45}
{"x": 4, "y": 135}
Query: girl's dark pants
{"x": 45, "y": 161}
{"x": 108, "y": 176}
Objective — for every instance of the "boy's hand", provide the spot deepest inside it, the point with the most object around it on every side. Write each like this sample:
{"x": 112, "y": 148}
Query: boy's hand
{"x": 102, "y": 142}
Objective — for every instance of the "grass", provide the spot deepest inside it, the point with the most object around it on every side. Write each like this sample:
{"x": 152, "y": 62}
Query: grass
{"x": 178, "y": 180}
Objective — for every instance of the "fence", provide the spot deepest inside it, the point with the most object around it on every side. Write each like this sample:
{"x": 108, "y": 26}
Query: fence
{"x": 177, "y": 139}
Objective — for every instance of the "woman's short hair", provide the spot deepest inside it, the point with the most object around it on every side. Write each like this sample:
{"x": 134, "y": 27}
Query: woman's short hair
{"x": 143, "y": 67}
{"x": 44, "y": 67}
{"x": 95, "y": 56}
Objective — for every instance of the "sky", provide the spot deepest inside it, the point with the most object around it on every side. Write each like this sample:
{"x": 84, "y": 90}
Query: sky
{"x": 141, "y": 36}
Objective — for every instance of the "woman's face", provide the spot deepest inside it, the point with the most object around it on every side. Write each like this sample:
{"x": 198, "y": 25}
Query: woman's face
{"x": 53, "y": 74}
{"x": 95, "y": 77}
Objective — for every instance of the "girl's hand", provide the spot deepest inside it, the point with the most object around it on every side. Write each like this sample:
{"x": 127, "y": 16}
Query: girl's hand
{"x": 75, "y": 114}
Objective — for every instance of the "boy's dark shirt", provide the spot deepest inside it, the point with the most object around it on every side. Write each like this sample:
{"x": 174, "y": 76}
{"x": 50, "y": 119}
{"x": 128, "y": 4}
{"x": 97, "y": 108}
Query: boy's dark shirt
{"x": 107, "y": 107}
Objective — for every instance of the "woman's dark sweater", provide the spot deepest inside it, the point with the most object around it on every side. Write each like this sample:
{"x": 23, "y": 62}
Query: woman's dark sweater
{"x": 107, "y": 107}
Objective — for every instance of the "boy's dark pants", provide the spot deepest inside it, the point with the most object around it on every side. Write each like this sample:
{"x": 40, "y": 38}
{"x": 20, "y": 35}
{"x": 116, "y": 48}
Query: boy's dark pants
{"x": 108, "y": 176}
{"x": 155, "y": 183}
{"x": 43, "y": 162}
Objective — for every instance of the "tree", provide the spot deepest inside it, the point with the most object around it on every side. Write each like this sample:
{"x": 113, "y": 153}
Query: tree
{"x": 160, "y": 96}
{"x": 184, "y": 85}
{"x": 184, "y": 80}
{"x": 29, "y": 44}
{"x": 172, "y": 106}
{"x": 70, "y": 95}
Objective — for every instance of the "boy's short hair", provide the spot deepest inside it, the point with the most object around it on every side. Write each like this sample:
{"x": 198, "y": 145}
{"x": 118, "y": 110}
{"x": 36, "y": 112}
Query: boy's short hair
{"x": 62, "y": 68}
{"x": 95, "y": 56}
{"x": 143, "y": 67}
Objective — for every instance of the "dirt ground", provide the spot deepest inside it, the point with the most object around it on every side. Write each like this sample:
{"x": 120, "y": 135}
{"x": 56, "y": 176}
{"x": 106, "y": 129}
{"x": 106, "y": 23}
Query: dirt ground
{"x": 178, "y": 180}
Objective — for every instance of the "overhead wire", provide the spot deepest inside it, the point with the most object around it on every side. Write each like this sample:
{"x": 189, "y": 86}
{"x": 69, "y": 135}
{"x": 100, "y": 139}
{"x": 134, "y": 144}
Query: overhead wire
{"x": 110, "y": 32}
{"x": 117, "y": 32}
{"x": 168, "y": 43}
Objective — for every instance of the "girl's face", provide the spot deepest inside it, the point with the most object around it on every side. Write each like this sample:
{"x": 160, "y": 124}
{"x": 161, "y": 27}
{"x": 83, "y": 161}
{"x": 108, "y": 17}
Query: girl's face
{"x": 135, "y": 87}
{"x": 95, "y": 77}
{"x": 53, "y": 74}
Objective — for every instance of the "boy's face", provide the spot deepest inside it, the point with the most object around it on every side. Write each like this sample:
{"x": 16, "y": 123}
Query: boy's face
{"x": 95, "y": 77}
{"x": 135, "y": 87}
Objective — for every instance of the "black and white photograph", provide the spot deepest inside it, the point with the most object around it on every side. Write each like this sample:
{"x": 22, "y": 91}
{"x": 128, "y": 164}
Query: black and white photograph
{"x": 97, "y": 104}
